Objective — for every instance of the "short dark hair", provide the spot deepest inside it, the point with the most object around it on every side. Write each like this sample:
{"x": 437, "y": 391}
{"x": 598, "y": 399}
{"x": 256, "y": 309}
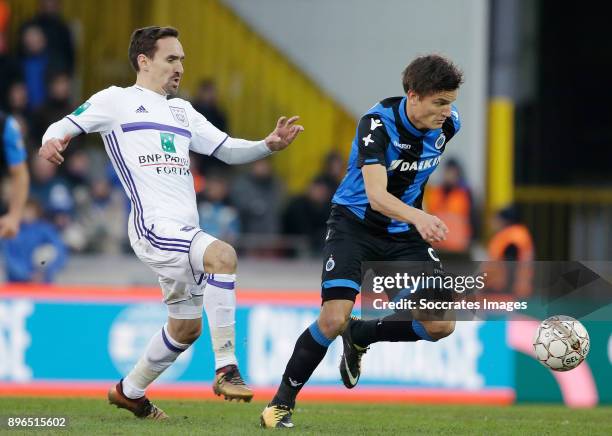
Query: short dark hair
{"x": 143, "y": 41}
{"x": 432, "y": 73}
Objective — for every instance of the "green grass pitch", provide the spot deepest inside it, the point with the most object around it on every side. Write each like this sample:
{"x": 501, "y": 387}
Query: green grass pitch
{"x": 92, "y": 417}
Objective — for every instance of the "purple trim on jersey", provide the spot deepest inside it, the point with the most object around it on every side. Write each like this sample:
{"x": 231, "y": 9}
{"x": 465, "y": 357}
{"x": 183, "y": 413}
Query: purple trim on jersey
{"x": 222, "y": 285}
{"x": 123, "y": 175}
{"x": 166, "y": 246}
{"x": 217, "y": 147}
{"x": 169, "y": 344}
{"x": 137, "y": 207}
{"x": 160, "y": 239}
{"x": 76, "y": 124}
{"x": 135, "y": 203}
{"x": 148, "y": 234}
{"x": 135, "y": 211}
{"x": 139, "y": 231}
{"x": 130, "y": 127}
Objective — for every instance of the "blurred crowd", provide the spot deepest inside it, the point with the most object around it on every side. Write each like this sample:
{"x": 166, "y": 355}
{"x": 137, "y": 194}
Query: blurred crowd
{"x": 80, "y": 206}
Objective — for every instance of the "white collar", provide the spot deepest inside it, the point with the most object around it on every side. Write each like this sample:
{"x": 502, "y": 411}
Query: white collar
{"x": 150, "y": 91}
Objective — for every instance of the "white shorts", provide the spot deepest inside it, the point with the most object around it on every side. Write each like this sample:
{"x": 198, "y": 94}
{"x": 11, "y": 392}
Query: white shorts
{"x": 176, "y": 253}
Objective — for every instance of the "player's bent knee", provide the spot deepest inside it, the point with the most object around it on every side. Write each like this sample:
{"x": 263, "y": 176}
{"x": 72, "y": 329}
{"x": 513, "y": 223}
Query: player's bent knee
{"x": 185, "y": 331}
{"x": 439, "y": 329}
{"x": 333, "y": 324}
{"x": 220, "y": 258}
{"x": 190, "y": 336}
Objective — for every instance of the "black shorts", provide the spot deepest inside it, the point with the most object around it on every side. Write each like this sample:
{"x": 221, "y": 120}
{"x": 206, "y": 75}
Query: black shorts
{"x": 348, "y": 243}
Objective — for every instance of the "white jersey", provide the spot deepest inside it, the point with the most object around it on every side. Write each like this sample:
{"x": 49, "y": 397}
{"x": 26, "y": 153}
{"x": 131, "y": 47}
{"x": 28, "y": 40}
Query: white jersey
{"x": 148, "y": 138}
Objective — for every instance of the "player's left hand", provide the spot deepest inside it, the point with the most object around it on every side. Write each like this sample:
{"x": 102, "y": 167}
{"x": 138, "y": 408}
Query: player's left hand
{"x": 431, "y": 228}
{"x": 9, "y": 226}
{"x": 284, "y": 133}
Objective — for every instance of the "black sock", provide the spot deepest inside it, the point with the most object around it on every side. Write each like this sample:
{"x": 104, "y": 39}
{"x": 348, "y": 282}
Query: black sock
{"x": 393, "y": 328}
{"x": 309, "y": 351}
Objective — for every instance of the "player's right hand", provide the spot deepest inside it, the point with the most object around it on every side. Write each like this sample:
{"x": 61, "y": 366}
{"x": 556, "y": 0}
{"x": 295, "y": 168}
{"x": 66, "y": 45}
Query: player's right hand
{"x": 430, "y": 227}
{"x": 284, "y": 133}
{"x": 52, "y": 149}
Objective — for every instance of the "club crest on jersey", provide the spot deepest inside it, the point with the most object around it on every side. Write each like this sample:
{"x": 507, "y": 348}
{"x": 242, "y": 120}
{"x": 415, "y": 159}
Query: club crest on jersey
{"x": 440, "y": 141}
{"x": 179, "y": 115}
{"x": 330, "y": 264}
{"x": 167, "y": 142}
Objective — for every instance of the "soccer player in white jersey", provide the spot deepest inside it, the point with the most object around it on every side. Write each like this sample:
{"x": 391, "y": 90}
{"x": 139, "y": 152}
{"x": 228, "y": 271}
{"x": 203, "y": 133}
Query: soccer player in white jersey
{"x": 148, "y": 134}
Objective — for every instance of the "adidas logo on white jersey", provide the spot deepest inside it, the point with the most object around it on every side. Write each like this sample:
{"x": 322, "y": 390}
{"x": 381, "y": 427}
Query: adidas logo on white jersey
{"x": 142, "y": 110}
{"x": 228, "y": 345}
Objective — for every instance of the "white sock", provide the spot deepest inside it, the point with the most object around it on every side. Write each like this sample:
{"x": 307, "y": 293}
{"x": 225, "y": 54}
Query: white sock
{"x": 161, "y": 352}
{"x": 220, "y": 307}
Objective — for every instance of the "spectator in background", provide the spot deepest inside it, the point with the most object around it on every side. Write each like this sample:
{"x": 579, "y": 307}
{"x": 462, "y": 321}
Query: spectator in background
{"x": 101, "y": 215}
{"x": 333, "y": 171}
{"x": 512, "y": 240}
{"x": 9, "y": 74}
{"x": 206, "y": 102}
{"x": 511, "y": 250}
{"x": 34, "y": 62}
{"x": 452, "y": 203}
{"x": 54, "y": 194}
{"x": 17, "y": 99}
{"x": 257, "y": 195}
{"x": 111, "y": 175}
{"x": 37, "y": 253}
{"x": 216, "y": 216}
{"x": 77, "y": 171}
{"x": 12, "y": 162}
{"x": 50, "y": 190}
{"x": 307, "y": 214}
{"x": 55, "y": 107}
{"x": 18, "y": 107}
{"x": 59, "y": 39}
{"x": 9, "y": 65}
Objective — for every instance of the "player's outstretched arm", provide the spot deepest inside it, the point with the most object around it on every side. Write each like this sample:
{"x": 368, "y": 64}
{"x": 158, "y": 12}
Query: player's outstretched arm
{"x": 236, "y": 151}
{"x": 56, "y": 139}
{"x": 430, "y": 227}
{"x": 284, "y": 133}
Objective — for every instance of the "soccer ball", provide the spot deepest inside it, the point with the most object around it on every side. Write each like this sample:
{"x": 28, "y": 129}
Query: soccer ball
{"x": 561, "y": 343}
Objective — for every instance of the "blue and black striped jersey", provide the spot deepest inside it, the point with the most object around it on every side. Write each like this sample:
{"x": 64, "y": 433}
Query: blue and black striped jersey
{"x": 386, "y": 136}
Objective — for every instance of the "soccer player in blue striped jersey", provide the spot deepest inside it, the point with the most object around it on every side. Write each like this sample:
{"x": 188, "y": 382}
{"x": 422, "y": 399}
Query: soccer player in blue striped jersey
{"x": 376, "y": 215}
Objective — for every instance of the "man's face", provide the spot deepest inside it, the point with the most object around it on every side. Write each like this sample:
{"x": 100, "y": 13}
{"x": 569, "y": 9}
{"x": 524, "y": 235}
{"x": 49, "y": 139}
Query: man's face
{"x": 430, "y": 112}
{"x": 165, "y": 70}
